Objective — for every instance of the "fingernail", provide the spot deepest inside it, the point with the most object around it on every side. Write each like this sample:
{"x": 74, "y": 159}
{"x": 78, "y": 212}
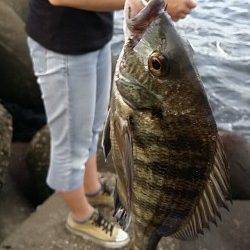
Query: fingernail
{"x": 193, "y": 4}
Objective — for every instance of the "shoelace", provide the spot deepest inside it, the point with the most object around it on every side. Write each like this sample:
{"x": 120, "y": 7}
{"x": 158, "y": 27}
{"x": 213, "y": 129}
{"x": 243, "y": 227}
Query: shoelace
{"x": 105, "y": 224}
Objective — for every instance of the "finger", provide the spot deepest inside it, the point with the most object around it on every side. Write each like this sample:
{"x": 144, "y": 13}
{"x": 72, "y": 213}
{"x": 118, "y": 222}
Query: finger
{"x": 182, "y": 16}
{"x": 132, "y": 8}
{"x": 187, "y": 11}
{"x": 191, "y": 4}
{"x": 174, "y": 18}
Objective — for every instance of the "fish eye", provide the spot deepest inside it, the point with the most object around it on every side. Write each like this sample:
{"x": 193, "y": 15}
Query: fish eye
{"x": 158, "y": 64}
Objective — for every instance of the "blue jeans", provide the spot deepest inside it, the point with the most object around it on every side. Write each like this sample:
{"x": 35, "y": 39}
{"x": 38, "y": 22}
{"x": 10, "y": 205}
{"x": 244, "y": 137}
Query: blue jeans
{"x": 75, "y": 90}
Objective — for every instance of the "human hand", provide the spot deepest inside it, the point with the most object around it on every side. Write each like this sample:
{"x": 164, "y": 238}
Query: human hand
{"x": 177, "y": 9}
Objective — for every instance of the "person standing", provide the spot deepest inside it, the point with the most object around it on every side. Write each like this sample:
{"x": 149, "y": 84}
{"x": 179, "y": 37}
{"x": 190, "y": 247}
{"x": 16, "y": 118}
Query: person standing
{"x": 69, "y": 42}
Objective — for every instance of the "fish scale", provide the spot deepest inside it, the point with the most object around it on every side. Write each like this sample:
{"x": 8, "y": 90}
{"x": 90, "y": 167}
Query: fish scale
{"x": 172, "y": 171}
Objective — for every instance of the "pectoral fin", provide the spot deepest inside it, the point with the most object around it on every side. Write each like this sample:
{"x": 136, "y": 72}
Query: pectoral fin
{"x": 123, "y": 139}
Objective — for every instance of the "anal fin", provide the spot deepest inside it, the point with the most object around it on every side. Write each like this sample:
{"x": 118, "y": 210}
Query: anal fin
{"x": 214, "y": 197}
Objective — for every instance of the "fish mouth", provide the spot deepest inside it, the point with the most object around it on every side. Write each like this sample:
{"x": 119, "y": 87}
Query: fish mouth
{"x": 137, "y": 24}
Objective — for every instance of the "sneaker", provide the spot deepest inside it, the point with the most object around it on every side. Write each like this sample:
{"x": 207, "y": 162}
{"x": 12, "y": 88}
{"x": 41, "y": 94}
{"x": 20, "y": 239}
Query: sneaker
{"x": 99, "y": 230}
{"x": 103, "y": 197}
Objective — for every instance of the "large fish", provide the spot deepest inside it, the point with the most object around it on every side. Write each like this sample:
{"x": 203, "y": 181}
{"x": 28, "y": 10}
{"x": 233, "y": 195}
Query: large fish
{"x": 172, "y": 171}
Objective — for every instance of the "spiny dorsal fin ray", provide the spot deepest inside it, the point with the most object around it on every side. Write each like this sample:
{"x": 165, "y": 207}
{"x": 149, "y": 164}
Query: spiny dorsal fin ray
{"x": 215, "y": 196}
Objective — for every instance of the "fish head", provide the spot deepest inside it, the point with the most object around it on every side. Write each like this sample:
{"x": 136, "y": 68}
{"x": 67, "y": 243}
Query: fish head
{"x": 156, "y": 68}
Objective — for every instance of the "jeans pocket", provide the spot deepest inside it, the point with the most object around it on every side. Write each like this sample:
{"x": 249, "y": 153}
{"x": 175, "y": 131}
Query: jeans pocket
{"x": 39, "y": 57}
{"x": 56, "y": 63}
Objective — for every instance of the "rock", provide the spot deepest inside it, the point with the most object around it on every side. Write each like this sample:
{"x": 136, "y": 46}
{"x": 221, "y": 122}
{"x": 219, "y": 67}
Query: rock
{"x": 18, "y": 83}
{"x": 19, "y": 173}
{"x": 37, "y": 160}
{"x": 18, "y": 88}
{"x": 238, "y": 153}
{"x": 5, "y": 142}
{"x": 14, "y": 209}
{"x": 19, "y": 6}
{"x": 26, "y": 122}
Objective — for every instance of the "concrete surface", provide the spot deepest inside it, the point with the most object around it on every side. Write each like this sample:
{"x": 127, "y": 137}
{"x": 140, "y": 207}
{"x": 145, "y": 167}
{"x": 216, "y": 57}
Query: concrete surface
{"x": 45, "y": 229}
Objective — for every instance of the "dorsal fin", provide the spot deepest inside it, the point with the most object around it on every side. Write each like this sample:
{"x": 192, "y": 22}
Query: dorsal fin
{"x": 214, "y": 196}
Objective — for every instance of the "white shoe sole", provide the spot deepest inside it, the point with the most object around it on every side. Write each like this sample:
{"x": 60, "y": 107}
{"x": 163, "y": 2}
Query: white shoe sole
{"x": 99, "y": 242}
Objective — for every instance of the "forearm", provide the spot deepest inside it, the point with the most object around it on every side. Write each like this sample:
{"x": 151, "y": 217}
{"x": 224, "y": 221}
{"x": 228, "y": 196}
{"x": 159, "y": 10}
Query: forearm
{"x": 91, "y": 5}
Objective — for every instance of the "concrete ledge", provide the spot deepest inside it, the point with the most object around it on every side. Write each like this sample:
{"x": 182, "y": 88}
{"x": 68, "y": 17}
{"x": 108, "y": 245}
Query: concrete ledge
{"x": 44, "y": 229}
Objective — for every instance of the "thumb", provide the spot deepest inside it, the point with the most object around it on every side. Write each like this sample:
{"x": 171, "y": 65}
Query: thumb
{"x": 191, "y": 3}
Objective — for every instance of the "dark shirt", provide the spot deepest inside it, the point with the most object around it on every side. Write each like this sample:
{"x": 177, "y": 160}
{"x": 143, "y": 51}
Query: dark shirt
{"x": 67, "y": 30}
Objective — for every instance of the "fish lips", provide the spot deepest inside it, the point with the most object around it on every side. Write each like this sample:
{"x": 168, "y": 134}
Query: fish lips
{"x": 137, "y": 25}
